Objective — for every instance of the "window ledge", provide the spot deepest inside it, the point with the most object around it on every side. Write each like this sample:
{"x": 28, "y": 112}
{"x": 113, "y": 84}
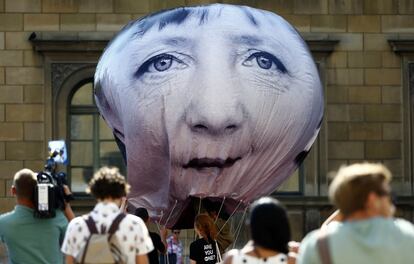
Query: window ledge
{"x": 402, "y": 46}
{"x": 67, "y": 42}
{"x": 58, "y": 43}
{"x": 325, "y": 46}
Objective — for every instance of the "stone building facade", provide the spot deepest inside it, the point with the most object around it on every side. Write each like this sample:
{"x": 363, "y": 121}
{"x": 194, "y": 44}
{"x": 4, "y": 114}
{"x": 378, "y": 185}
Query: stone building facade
{"x": 364, "y": 50}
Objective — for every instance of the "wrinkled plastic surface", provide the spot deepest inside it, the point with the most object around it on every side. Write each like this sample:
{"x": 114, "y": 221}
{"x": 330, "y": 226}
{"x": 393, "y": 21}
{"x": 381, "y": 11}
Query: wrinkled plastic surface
{"x": 212, "y": 101}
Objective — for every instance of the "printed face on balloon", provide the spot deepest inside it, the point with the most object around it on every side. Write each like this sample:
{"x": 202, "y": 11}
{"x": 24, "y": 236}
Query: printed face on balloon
{"x": 215, "y": 98}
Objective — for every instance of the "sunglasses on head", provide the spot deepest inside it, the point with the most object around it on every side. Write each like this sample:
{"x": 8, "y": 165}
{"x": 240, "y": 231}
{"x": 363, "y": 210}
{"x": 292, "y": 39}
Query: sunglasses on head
{"x": 176, "y": 232}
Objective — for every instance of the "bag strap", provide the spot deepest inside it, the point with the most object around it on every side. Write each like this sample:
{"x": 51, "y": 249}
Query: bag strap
{"x": 112, "y": 229}
{"x": 115, "y": 224}
{"x": 219, "y": 259}
{"x": 93, "y": 230}
{"x": 323, "y": 247}
{"x": 91, "y": 225}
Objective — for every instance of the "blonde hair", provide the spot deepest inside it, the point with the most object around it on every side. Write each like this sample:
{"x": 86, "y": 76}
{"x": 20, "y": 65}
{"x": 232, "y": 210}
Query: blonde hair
{"x": 352, "y": 184}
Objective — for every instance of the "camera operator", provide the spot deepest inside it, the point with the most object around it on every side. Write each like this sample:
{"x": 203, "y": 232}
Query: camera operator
{"x": 29, "y": 239}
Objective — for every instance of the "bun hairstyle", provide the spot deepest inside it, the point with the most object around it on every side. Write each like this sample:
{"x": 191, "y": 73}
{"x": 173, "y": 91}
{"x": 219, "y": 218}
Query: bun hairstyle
{"x": 269, "y": 225}
{"x": 206, "y": 226}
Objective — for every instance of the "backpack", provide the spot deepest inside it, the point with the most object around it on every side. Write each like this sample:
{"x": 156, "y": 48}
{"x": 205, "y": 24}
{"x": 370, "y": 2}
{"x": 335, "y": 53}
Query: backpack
{"x": 104, "y": 247}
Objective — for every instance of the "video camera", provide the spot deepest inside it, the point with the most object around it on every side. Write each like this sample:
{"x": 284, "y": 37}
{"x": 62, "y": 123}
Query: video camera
{"x": 49, "y": 192}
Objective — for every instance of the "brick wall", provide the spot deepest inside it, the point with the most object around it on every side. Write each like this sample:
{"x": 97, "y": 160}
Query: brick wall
{"x": 363, "y": 75}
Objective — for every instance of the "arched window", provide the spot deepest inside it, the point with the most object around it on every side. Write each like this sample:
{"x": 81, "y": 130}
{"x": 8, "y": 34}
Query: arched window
{"x": 91, "y": 143}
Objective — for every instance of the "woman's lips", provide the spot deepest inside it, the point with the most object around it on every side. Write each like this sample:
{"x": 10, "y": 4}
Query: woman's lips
{"x": 203, "y": 163}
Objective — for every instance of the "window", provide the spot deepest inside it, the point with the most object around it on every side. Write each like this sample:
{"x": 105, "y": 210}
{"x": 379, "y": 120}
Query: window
{"x": 307, "y": 179}
{"x": 91, "y": 143}
{"x": 294, "y": 183}
{"x": 403, "y": 169}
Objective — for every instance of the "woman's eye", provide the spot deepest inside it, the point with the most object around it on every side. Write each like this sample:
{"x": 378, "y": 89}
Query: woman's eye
{"x": 163, "y": 63}
{"x": 265, "y": 61}
{"x": 160, "y": 63}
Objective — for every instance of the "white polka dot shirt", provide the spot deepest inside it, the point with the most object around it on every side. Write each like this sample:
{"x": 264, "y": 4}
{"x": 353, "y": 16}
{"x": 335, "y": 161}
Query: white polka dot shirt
{"x": 132, "y": 233}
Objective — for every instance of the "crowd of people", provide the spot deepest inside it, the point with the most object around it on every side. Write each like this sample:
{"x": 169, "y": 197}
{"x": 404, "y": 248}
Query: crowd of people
{"x": 362, "y": 230}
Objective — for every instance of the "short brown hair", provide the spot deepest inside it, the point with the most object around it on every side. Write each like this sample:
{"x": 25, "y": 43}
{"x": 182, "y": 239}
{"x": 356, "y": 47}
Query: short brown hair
{"x": 24, "y": 182}
{"x": 352, "y": 185}
{"x": 108, "y": 183}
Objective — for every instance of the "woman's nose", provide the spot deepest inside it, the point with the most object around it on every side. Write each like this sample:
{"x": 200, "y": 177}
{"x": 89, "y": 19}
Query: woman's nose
{"x": 214, "y": 124}
{"x": 215, "y": 115}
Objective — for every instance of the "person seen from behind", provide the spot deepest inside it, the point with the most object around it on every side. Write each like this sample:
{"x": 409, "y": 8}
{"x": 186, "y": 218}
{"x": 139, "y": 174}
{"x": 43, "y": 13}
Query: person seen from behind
{"x": 204, "y": 250}
{"x": 215, "y": 211}
{"x": 29, "y": 239}
{"x": 270, "y": 234}
{"x": 367, "y": 231}
{"x": 127, "y": 240}
{"x": 158, "y": 241}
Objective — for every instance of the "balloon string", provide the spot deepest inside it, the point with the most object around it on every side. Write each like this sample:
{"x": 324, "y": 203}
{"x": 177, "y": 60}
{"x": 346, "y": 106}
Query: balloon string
{"x": 199, "y": 209}
{"x": 234, "y": 211}
{"x": 168, "y": 219}
{"x": 199, "y": 206}
{"x": 162, "y": 215}
{"x": 159, "y": 230}
{"x": 238, "y": 229}
{"x": 158, "y": 222}
{"x": 221, "y": 207}
{"x": 158, "y": 226}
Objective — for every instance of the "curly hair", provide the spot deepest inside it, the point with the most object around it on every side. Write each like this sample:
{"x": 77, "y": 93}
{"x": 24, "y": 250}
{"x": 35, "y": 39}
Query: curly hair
{"x": 108, "y": 183}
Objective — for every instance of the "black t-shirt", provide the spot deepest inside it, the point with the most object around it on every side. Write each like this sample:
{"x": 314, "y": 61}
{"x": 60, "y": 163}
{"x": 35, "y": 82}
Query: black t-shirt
{"x": 158, "y": 247}
{"x": 203, "y": 251}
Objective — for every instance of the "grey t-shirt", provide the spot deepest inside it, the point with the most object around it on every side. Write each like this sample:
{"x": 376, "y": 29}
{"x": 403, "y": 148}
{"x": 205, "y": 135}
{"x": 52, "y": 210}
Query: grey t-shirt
{"x": 377, "y": 240}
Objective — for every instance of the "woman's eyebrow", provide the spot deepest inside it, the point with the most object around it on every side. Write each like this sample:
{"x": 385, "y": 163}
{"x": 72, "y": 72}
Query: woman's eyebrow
{"x": 245, "y": 40}
{"x": 177, "y": 41}
{"x": 163, "y": 41}
{"x": 252, "y": 41}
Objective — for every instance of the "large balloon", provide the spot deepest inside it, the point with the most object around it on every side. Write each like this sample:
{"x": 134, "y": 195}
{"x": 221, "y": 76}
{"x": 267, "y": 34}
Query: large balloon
{"x": 216, "y": 102}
